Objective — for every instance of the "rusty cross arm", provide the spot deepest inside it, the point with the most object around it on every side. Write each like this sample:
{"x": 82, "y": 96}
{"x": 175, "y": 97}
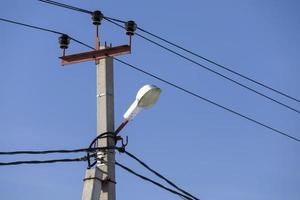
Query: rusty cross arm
{"x": 95, "y": 55}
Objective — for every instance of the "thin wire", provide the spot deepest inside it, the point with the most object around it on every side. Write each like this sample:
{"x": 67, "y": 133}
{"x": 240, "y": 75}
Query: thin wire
{"x": 207, "y": 100}
{"x": 31, "y": 26}
{"x": 159, "y": 175}
{"x": 44, "y": 29}
{"x": 111, "y": 21}
{"x": 203, "y": 98}
{"x": 211, "y": 70}
{"x": 66, "y": 6}
{"x": 177, "y": 46}
{"x": 114, "y": 19}
{"x": 176, "y": 86}
{"x": 53, "y": 151}
{"x": 77, "y": 9}
{"x": 152, "y": 181}
{"x": 204, "y": 58}
{"x": 219, "y": 74}
{"x": 79, "y": 42}
{"x": 43, "y": 161}
{"x": 219, "y": 65}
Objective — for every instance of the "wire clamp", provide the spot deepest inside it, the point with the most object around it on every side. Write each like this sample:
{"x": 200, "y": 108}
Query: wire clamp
{"x": 106, "y": 180}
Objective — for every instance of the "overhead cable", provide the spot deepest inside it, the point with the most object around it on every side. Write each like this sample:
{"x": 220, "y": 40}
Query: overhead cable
{"x": 217, "y": 64}
{"x": 55, "y": 3}
{"x": 200, "y": 97}
{"x": 207, "y": 100}
{"x": 159, "y": 175}
{"x": 202, "y": 57}
{"x": 211, "y": 70}
{"x": 44, "y": 161}
{"x": 30, "y": 26}
{"x": 43, "y": 29}
{"x": 52, "y": 151}
{"x": 179, "y": 47}
{"x": 152, "y": 181}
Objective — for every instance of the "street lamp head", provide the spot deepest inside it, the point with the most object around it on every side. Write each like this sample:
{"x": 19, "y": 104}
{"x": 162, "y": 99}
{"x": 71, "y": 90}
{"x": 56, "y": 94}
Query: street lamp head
{"x": 145, "y": 98}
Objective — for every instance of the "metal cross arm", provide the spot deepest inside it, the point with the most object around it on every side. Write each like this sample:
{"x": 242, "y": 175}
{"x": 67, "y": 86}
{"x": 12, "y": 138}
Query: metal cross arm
{"x": 95, "y": 55}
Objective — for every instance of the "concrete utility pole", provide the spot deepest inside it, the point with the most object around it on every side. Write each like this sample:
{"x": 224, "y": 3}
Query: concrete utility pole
{"x": 99, "y": 182}
{"x": 105, "y": 123}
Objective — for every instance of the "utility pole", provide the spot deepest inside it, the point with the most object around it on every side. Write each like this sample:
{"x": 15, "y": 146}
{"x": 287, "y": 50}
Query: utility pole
{"x": 99, "y": 182}
{"x": 105, "y": 123}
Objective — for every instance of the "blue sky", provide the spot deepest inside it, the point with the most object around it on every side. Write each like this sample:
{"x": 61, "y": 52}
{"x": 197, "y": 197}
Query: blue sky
{"x": 208, "y": 151}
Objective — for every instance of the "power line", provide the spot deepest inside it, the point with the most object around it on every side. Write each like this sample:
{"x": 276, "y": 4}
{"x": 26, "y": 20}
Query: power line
{"x": 53, "y": 151}
{"x": 202, "y": 57}
{"x": 207, "y": 100}
{"x": 77, "y": 9}
{"x": 193, "y": 61}
{"x": 195, "y": 95}
{"x": 211, "y": 70}
{"x": 114, "y": 19}
{"x": 188, "y": 51}
{"x": 152, "y": 181}
{"x": 159, "y": 175}
{"x": 79, "y": 42}
{"x": 66, "y": 6}
{"x": 217, "y": 64}
{"x": 31, "y": 26}
{"x": 44, "y": 29}
{"x": 221, "y": 75}
{"x": 43, "y": 161}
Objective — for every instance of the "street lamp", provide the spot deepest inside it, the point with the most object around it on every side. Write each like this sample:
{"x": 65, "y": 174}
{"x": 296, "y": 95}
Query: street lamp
{"x": 145, "y": 98}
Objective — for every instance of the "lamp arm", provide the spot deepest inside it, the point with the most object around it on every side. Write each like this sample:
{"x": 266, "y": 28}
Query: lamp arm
{"x": 122, "y": 125}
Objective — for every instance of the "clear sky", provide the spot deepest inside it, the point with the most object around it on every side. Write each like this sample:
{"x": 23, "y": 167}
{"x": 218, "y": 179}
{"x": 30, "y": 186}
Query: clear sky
{"x": 208, "y": 151}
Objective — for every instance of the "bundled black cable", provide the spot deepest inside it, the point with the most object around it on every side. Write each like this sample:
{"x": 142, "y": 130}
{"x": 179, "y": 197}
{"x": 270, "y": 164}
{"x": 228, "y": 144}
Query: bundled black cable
{"x": 81, "y": 159}
{"x": 91, "y": 151}
{"x": 52, "y": 151}
{"x": 152, "y": 181}
{"x": 159, "y": 175}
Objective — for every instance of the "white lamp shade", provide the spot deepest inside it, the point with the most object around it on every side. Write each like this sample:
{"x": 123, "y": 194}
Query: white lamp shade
{"x": 145, "y": 98}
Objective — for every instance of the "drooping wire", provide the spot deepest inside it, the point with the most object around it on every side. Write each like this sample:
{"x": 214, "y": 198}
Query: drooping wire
{"x": 77, "y": 9}
{"x": 207, "y": 100}
{"x": 43, "y": 161}
{"x": 219, "y": 65}
{"x": 43, "y": 29}
{"x": 82, "y": 43}
{"x": 114, "y": 19}
{"x": 186, "y": 91}
{"x": 159, "y": 175}
{"x": 52, "y": 151}
{"x": 91, "y": 152}
{"x": 55, "y": 3}
{"x": 179, "y": 47}
{"x": 211, "y": 70}
{"x": 152, "y": 181}
{"x": 30, "y": 26}
{"x": 199, "y": 56}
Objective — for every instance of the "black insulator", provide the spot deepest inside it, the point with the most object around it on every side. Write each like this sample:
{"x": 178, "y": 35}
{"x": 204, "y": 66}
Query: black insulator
{"x": 64, "y": 41}
{"x": 130, "y": 27}
{"x": 97, "y": 17}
